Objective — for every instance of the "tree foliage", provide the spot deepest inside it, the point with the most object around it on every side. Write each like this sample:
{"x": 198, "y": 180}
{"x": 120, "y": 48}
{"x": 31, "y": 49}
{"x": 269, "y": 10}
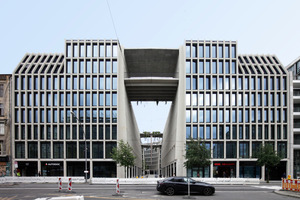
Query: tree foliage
{"x": 197, "y": 155}
{"x": 266, "y": 156}
{"x": 123, "y": 154}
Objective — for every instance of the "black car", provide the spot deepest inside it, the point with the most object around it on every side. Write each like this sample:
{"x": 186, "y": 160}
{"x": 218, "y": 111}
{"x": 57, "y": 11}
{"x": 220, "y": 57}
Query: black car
{"x": 174, "y": 185}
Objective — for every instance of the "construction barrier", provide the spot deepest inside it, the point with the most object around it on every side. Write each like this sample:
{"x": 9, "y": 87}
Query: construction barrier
{"x": 118, "y": 187}
{"x": 291, "y": 185}
{"x": 70, "y": 184}
{"x": 59, "y": 184}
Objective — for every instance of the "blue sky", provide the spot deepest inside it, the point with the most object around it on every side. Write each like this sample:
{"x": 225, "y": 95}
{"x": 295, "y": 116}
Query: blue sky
{"x": 259, "y": 26}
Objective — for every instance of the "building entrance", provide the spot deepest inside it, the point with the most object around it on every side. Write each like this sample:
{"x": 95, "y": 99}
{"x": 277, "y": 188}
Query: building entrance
{"x": 225, "y": 169}
{"x": 27, "y": 168}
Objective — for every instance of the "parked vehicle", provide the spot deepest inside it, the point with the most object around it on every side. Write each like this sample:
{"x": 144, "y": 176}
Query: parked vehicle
{"x": 175, "y": 185}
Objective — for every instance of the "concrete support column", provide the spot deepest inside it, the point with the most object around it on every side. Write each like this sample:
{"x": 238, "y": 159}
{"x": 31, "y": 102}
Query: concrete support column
{"x": 91, "y": 169}
{"x": 65, "y": 168}
{"x": 212, "y": 169}
{"x": 237, "y": 169}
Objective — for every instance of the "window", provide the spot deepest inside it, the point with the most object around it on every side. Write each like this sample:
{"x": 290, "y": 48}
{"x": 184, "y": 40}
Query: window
{"x": 244, "y": 150}
{"x": 231, "y": 150}
{"x": 218, "y": 150}
{"x": 45, "y": 149}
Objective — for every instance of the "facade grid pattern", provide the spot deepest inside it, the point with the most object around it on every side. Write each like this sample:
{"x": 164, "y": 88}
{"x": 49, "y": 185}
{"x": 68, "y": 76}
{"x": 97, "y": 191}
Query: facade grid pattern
{"x": 234, "y": 104}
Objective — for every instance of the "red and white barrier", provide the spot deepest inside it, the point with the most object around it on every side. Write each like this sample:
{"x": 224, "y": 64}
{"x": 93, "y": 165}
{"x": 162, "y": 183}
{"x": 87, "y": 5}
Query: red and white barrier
{"x": 291, "y": 185}
{"x": 118, "y": 187}
{"x": 70, "y": 184}
{"x": 59, "y": 184}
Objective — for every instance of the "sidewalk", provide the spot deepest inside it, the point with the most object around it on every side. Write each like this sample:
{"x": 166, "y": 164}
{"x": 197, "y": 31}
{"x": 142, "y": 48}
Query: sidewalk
{"x": 288, "y": 193}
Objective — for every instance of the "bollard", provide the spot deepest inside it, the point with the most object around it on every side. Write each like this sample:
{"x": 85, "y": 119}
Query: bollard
{"x": 70, "y": 184}
{"x": 59, "y": 184}
{"x": 118, "y": 187}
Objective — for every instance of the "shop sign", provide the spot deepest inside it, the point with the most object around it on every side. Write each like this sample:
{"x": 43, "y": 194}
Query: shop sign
{"x": 224, "y": 164}
{"x": 52, "y": 164}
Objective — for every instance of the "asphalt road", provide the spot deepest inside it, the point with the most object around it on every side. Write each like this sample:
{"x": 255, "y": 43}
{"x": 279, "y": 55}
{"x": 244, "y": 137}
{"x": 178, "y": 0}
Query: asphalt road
{"x": 34, "y": 191}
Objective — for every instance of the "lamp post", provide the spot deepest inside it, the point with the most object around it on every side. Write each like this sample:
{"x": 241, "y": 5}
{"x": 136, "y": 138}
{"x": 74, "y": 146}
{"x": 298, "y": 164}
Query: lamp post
{"x": 85, "y": 147}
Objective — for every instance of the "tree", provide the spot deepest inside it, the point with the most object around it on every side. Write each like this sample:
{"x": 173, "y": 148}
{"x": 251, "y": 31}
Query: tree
{"x": 266, "y": 156}
{"x": 123, "y": 155}
{"x": 197, "y": 155}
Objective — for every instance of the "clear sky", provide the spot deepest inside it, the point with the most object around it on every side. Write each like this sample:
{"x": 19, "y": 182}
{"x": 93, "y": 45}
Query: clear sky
{"x": 259, "y": 26}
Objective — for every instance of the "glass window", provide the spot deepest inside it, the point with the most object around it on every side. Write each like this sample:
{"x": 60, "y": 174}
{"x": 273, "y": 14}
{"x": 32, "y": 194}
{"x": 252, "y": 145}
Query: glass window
{"x": 201, "y": 99}
{"x": 188, "y": 51}
{"x": 214, "y": 83}
{"x": 231, "y": 150}
{"x": 201, "y": 51}
{"x": 188, "y": 132}
{"x": 233, "y": 67}
{"x": 220, "y": 51}
{"x": 81, "y": 99}
{"x": 244, "y": 150}
{"x": 208, "y": 132}
{"x": 194, "y": 67}
{"x": 214, "y": 132}
{"x": 207, "y": 67}
{"x": 188, "y": 67}
{"x": 271, "y": 83}
{"x": 201, "y": 132}
{"x": 233, "y": 81}
{"x": 208, "y": 116}
{"x": 227, "y": 68}
{"x": 218, "y": 150}
{"x": 74, "y": 99}
{"x": 226, "y": 51}
{"x": 240, "y": 99}
{"x": 201, "y": 115}
{"x": 233, "y": 51}
{"x": 265, "y": 83}
{"x": 88, "y": 66}
{"x": 194, "y": 83}
{"x": 88, "y": 99}
{"x": 107, "y": 99}
{"x": 194, "y": 115}
{"x": 221, "y": 118}
{"x": 246, "y": 115}
{"x": 188, "y": 116}
{"x": 108, "y": 67}
{"x": 201, "y": 67}
{"x": 207, "y": 51}
{"x": 220, "y": 67}
{"x": 214, "y": 51}
{"x": 81, "y": 66}
{"x": 221, "y": 132}
{"x": 195, "y": 132}
{"x": 208, "y": 83}
{"x": 188, "y": 83}
{"x": 207, "y": 99}
{"x": 88, "y": 83}
{"x": 194, "y": 99}
{"x": 227, "y": 83}
{"x": 246, "y": 83}
{"x": 214, "y": 99}
{"x": 240, "y": 115}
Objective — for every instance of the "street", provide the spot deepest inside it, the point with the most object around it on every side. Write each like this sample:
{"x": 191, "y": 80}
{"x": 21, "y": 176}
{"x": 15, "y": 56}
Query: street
{"x": 33, "y": 191}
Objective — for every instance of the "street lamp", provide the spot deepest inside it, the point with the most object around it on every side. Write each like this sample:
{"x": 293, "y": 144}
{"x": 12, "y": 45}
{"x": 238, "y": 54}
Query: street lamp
{"x": 85, "y": 147}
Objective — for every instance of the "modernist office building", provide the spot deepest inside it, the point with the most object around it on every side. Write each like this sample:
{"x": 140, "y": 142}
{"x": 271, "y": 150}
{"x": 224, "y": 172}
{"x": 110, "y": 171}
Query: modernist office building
{"x": 232, "y": 102}
{"x": 294, "y": 67}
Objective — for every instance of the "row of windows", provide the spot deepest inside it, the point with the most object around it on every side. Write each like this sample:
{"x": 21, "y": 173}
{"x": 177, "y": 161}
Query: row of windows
{"x": 220, "y": 132}
{"x": 64, "y": 115}
{"x": 57, "y": 150}
{"x": 66, "y": 99}
{"x": 236, "y": 99}
{"x": 92, "y": 66}
{"x": 74, "y": 82}
{"x": 67, "y": 132}
{"x": 210, "y": 67}
{"x": 229, "y": 150}
{"x": 211, "y": 50}
{"x": 236, "y": 115}
{"x": 234, "y": 83}
{"x": 91, "y": 50}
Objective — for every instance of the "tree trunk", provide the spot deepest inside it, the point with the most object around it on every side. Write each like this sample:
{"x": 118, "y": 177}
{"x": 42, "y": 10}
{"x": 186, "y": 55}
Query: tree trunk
{"x": 268, "y": 175}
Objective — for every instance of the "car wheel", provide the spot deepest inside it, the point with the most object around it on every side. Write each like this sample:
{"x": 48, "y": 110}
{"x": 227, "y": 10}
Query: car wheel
{"x": 170, "y": 191}
{"x": 207, "y": 191}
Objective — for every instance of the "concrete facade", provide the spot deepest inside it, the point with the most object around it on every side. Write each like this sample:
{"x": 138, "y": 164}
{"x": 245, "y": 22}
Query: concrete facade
{"x": 232, "y": 102}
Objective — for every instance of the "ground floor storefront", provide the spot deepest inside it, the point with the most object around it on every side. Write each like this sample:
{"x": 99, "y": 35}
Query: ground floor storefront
{"x": 66, "y": 168}
{"x": 238, "y": 169}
